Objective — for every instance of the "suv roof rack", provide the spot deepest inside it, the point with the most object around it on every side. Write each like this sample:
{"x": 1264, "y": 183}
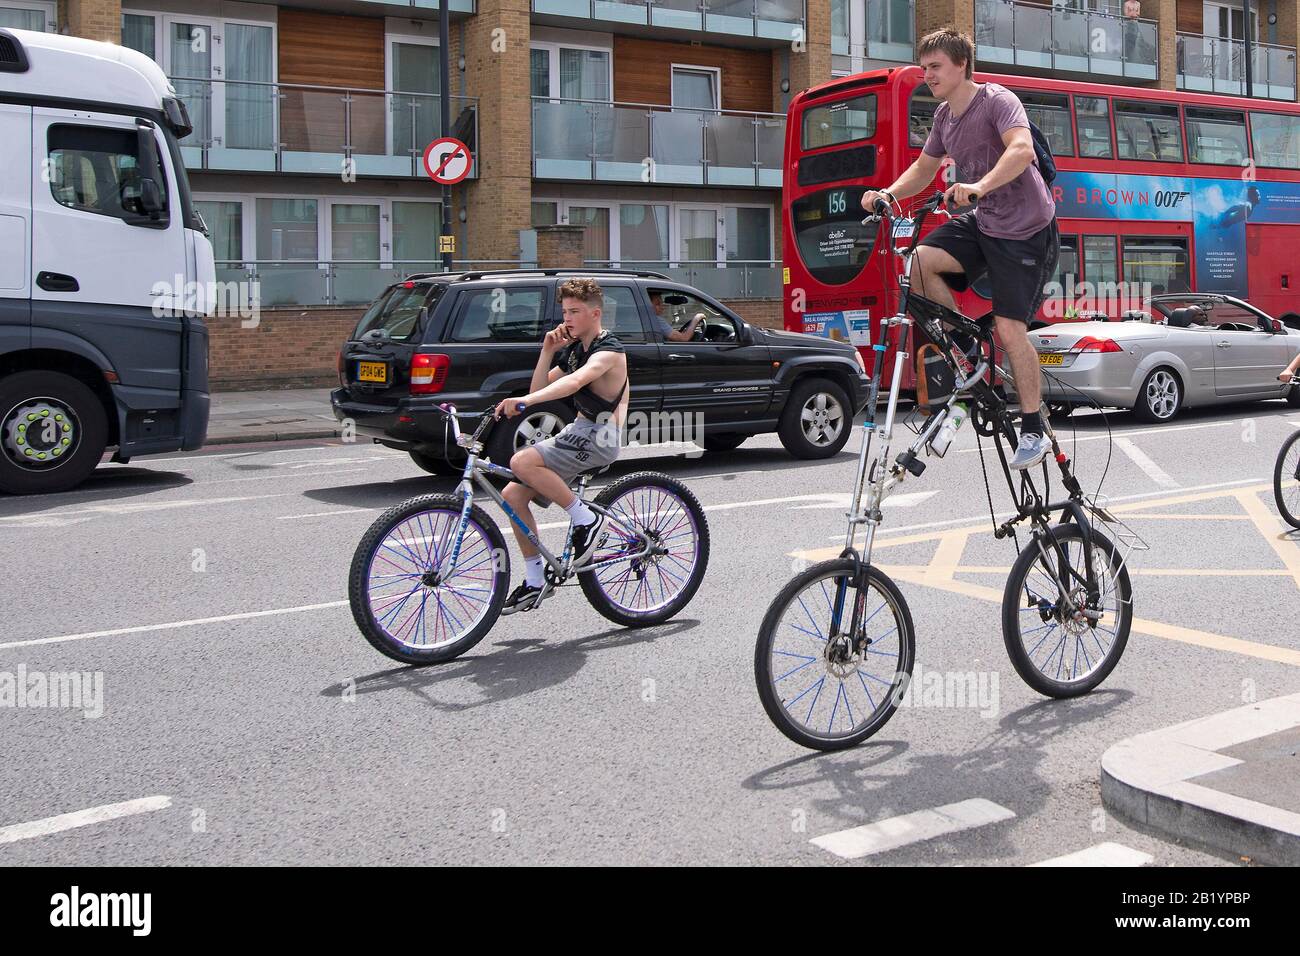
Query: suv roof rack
{"x": 471, "y": 276}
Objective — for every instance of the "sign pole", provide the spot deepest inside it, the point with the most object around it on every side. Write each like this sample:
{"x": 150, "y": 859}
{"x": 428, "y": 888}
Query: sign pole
{"x": 444, "y": 52}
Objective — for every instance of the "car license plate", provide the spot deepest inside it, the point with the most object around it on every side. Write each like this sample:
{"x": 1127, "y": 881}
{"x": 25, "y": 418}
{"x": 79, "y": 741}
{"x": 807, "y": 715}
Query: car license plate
{"x": 372, "y": 372}
{"x": 1046, "y": 359}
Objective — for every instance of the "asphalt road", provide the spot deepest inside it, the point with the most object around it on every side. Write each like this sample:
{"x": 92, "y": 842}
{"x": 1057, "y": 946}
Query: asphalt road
{"x": 245, "y": 720}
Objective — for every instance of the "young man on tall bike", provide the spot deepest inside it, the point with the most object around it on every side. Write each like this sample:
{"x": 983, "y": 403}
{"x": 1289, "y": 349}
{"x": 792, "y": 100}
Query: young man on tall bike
{"x": 582, "y": 359}
{"x": 1012, "y": 236}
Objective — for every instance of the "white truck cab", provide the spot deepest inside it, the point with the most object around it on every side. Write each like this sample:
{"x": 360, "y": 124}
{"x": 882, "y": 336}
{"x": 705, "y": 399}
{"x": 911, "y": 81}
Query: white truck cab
{"x": 103, "y": 262}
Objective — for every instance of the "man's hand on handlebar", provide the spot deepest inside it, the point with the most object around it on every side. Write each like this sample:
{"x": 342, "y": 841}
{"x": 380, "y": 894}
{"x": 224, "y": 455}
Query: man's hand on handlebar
{"x": 960, "y": 194}
{"x": 876, "y": 203}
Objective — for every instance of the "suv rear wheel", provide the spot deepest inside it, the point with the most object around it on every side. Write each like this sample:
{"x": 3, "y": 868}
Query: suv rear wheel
{"x": 536, "y": 424}
{"x": 817, "y": 420}
{"x": 728, "y": 441}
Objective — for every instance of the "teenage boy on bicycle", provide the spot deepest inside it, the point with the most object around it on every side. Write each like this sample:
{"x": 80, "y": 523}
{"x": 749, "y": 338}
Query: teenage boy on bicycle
{"x": 581, "y": 359}
{"x": 1012, "y": 234}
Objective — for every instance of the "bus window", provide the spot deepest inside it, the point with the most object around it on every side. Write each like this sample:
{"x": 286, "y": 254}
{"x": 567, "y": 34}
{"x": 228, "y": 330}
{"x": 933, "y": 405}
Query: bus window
{"x": 1216, "y": 136}
{"x": 920, "y": 117}
{"x": 1100, "y": 259}
{"x": 1148, "y": 131}
{"x": 1067, "y": 265}
{"x": 1050, "y": 112}
{"x": 1158, "y": 260}
{"x": 1277, "y": 140}
{"x": 833, "y": 244}
{"x": 1094, "y": 127}
{"x": 842, "y": 122}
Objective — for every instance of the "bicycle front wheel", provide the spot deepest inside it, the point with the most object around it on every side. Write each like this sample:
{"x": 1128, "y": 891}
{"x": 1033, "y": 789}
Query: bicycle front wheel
{"x": 820, "y": 688}
{"x": 655, "y": 509}
{"x": 1057, "y": 652}
{"x": 1286, "y": 481}
{"x": 404, "y": 603}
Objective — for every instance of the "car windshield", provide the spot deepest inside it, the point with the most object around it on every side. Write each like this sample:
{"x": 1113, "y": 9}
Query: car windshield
{"x": 1210, "y": 313}
{"x": 397, "y": 311}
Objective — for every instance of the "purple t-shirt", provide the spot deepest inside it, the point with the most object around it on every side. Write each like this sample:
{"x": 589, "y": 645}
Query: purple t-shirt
{"x": 1016, "y": 210}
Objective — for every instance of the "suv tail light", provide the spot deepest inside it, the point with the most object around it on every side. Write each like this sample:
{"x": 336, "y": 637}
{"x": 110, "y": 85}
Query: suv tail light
{"x": 343, "y": 379}
{"x": 1092, "y": 344}
{"x": 429, "y": 373}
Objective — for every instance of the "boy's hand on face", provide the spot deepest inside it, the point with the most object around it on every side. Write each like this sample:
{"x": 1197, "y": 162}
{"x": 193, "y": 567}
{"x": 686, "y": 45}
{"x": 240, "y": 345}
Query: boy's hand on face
{"x": 557, "y": 338}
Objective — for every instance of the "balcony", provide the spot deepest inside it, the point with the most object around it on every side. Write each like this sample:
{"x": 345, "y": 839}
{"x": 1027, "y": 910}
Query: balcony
{"x": 738, "y": 279}
{"x": 890, "y": 34}
{"x": 1064, "y": 40}
{"x": 597, "y": 141}
{"x": 1217, "y": 65}
{"x": 281, "y": 127}
{"x": 762, "y": 19}
{"x": 453, "y": 6}
{"x": 282, "y": 283}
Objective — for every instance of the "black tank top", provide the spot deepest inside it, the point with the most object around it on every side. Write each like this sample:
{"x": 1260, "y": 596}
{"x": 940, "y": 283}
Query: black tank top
{"x": 573, "y": 357}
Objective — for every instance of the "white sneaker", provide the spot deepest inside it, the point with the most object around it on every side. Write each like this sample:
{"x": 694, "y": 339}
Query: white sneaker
{"x": 1031, "y": 450}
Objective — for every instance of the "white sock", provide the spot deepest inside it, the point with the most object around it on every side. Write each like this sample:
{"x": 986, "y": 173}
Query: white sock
{"x": 580, "y": 513}
{"x": 533, "y": 571}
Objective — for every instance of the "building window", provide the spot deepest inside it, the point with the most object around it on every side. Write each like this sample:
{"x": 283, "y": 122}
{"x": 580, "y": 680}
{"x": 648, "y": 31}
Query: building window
{"x": 584, "y": 74}
{"x": 643, "y": 233}
{"x": 544, "y": 213}
{"x": 139, "y": 33}
{"x": 539, "y": 72}
{"x": 595, "y": 221}
{"x": 416, "y": 227}
{"x": 749, "y": 233}
{"x": 696, "y": 88}
{"x": 287, "y": 229}
{"x": 17, "y": 15}
{"x": 225, "y": 221}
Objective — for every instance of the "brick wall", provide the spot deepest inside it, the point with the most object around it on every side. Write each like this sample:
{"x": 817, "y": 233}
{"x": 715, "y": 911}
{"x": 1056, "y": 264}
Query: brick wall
{"x": 297, "y": 348}
{"x": 92, "y": 19}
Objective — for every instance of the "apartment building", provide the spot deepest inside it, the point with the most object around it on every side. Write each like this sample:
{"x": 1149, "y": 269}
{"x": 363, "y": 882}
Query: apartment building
{"x": 640, "y": 133}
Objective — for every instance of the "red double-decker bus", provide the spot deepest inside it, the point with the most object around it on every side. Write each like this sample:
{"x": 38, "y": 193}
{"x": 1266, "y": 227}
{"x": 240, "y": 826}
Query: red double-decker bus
{"x": 1156, "y": 192}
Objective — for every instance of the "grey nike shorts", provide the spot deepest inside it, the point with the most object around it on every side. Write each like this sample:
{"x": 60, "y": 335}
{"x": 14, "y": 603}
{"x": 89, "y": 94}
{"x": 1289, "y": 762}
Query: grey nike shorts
{"x": 578, "y": 447}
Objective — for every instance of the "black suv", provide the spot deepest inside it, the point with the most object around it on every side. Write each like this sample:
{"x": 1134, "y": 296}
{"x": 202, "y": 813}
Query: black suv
{"x": 472, "y": 339}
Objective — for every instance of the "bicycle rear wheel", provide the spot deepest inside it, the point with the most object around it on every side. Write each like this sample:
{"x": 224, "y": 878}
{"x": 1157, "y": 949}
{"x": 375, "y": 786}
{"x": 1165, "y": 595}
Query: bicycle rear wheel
{"x": 1286, "y": 481}
{"x": 638, "y": 592}
{"x": 1053, "y": 652}
{"x": 405, "y": 608}
{"x": 816, "y": 689}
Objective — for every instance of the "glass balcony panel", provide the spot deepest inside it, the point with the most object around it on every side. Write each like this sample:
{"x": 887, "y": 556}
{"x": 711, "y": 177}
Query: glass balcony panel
{"x": 562, "y": 140}
{"x": 994, "y": 31}
{"x": 677, "y": 147}
{"x": 730, "y": 140}
{"x": 622, "y": 142}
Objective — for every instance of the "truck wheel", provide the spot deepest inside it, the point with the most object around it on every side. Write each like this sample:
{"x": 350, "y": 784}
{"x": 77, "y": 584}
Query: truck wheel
{"x": 536, "y": 424}
{"x": 816, "y": 420}
{"x": 52, "y": 432}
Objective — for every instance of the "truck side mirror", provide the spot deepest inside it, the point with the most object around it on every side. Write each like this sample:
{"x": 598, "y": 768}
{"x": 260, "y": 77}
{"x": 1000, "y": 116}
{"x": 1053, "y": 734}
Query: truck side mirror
{"x": 151, "y": 198}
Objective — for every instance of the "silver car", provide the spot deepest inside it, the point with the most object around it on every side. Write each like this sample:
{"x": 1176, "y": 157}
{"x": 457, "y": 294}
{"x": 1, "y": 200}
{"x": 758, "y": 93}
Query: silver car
{"x": 1191, "y": 350}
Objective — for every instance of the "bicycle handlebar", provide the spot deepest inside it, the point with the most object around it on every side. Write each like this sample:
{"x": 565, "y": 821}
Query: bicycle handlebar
{"x": 881, "y": 210}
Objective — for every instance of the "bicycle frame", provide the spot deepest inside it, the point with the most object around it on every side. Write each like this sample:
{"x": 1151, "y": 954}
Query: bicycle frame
{"x": 877, "y": 480}
{"x": 477, "y": 471}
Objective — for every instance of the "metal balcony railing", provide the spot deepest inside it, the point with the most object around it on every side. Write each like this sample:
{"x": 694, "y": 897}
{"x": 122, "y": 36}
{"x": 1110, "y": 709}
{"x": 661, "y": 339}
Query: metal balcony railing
{"x": 1066, "y": 39}
{"x": 453, "y": 6}
{"x": 293, "y": 128}
{"x": 890, "y": 32}
{"x": 737, "y": 279}
{"x": 1218, "y": 65}
{"x": 286, "y": 282}
{"x": 602, "y": 141}
{"x": 771, "y": 19}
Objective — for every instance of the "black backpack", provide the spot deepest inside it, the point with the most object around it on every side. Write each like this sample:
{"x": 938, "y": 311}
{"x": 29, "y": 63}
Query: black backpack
{"x": 1043, "y": 152}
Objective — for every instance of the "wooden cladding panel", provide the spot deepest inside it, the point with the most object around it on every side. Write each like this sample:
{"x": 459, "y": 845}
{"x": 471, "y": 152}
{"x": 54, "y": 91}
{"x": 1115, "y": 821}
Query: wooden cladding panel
{"x": 1191, "y": 17}
{"x": 326, "y": 49}
{"x": 643, "y": 72}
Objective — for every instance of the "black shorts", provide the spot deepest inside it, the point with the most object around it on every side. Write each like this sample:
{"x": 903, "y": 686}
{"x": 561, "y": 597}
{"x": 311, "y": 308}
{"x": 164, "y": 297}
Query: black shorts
{"x": 1018, "y": 269}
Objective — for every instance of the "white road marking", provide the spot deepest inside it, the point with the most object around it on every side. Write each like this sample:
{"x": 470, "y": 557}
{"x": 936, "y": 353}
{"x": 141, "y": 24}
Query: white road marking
{"x": 1140, "y": 458}
{"x": 171, "y": 625}
{"x": 896, "y": 832}
{"x": 55, "y": 518}
{"x": 1103, "y": 854}
{"x": 81, "y": 818}
{"x": 1066, "y": 437}
{"x": 322, "y": 514}
{"x": 841, "y": 501}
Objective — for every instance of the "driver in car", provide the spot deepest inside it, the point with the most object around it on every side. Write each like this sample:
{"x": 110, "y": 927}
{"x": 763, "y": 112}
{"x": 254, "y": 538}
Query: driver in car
{"x": 686, "y": 332}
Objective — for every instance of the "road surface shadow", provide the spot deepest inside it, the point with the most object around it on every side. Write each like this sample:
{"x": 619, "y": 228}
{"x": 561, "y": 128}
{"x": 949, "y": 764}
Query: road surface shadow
{"x": 515, "y": 668}
{"x": 106, "y": 483}
{"x": 1089, "y": 420}
{"x": 883, "y": 779}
